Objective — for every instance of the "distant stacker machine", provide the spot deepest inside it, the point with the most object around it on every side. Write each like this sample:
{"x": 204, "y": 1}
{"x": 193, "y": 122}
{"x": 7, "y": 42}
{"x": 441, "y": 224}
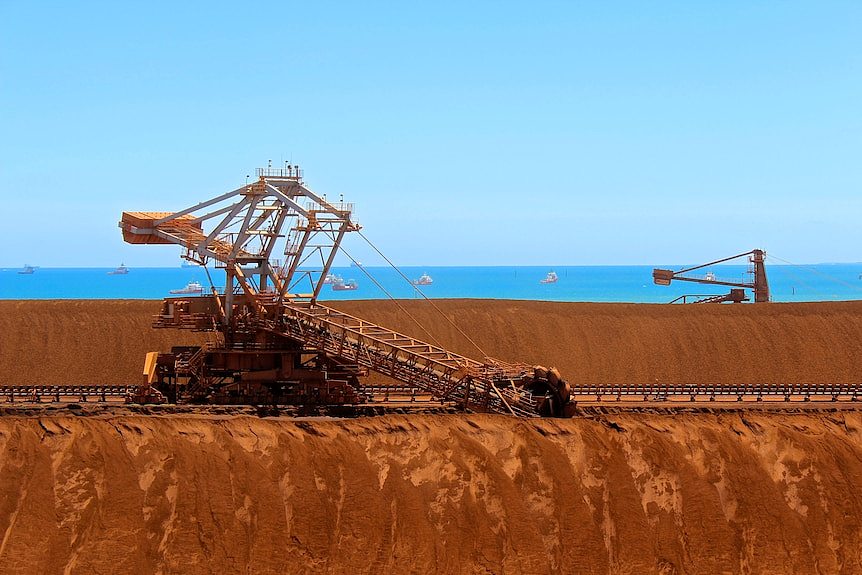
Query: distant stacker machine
{"x": 737, "y": 294}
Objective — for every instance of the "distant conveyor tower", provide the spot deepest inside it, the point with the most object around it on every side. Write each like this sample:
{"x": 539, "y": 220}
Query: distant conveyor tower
{"x": 758, "y": 283}
{"x": 273, "y": 342}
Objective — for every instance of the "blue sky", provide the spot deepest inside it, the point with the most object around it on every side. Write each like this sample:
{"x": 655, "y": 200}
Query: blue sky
{"x": 482, "y": 133}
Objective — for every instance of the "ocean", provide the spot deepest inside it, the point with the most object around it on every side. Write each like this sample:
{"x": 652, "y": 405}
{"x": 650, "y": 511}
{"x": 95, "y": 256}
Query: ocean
{"x": 821, "y": 282}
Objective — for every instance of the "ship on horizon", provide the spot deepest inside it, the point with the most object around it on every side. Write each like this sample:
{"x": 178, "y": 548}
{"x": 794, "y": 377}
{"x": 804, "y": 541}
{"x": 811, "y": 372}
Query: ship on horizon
{"x": 424, "y": 280}
{"x": 119, "y": 271}
{"x": 28, "y": 270}
{"x": 193, "y": 287}
{"x": 348, "y": 285}
{"x": 551, "y": 278}
{"x": 332, "y": 278}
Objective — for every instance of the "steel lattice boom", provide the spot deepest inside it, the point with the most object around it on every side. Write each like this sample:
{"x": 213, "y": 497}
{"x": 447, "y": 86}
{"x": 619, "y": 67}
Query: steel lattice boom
{"x": 247, "y": 222}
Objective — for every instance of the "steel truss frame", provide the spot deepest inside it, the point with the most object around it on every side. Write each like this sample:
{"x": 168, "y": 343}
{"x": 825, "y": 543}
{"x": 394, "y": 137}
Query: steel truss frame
{"x": 247, "y": 222}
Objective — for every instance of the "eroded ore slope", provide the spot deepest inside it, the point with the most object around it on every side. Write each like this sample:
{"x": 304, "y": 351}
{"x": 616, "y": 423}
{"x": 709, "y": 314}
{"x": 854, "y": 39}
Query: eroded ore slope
{"x": 734, "y": 492}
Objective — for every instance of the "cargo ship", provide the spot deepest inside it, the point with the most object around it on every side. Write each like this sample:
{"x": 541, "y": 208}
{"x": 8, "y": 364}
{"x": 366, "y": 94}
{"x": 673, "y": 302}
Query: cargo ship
{"x": 424, "y": 280}
{"x": 551, "y": 278}
{"x": 191, "y": 288}
{"x": 120, "y": 271}
{"x": 348, "y": 285}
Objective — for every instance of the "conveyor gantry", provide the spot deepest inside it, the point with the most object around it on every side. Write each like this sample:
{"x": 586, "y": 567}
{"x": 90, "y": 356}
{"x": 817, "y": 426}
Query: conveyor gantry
{"x": 493, "y": 386}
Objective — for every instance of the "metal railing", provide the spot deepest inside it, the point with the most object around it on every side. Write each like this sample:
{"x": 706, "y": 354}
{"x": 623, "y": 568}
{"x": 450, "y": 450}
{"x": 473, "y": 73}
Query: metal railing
{"x": 294, "y": 172}
{"x": 715, "y": 392}
{"x": 57, "y": 393}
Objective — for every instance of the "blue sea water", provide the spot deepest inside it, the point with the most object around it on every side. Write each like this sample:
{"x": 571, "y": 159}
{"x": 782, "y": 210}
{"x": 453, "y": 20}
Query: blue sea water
{"x": 822, "y": 282}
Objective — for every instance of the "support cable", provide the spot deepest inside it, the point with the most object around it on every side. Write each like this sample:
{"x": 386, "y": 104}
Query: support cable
{"x": 395, "y": 301}
{"x": 802, "y": 282}
{"x": 467, "y": 337}
{"x": 816, "y": 271}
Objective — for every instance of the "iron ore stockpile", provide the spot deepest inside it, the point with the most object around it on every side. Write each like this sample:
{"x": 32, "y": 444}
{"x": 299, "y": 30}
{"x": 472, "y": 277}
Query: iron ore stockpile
{"x": 257, "y": 430}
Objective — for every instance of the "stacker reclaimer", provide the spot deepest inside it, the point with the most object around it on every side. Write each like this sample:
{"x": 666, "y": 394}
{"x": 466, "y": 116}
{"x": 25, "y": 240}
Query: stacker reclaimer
{"x": 274, "y": 343}
{"x": 759, "y": 284}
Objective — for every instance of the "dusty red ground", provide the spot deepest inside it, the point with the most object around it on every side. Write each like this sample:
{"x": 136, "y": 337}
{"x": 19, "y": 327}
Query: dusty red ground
{"x": 622, "y": 492}
{"x": 628, "y": 493}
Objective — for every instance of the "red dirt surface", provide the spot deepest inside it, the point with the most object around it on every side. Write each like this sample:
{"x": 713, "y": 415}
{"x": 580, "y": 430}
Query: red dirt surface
{"x": 744, "y": 492}
{"x": 611, "y": 491}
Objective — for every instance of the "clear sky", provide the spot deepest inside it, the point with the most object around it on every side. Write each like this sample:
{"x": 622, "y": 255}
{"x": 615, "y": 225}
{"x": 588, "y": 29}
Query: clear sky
{"x": 467, "y": 133}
